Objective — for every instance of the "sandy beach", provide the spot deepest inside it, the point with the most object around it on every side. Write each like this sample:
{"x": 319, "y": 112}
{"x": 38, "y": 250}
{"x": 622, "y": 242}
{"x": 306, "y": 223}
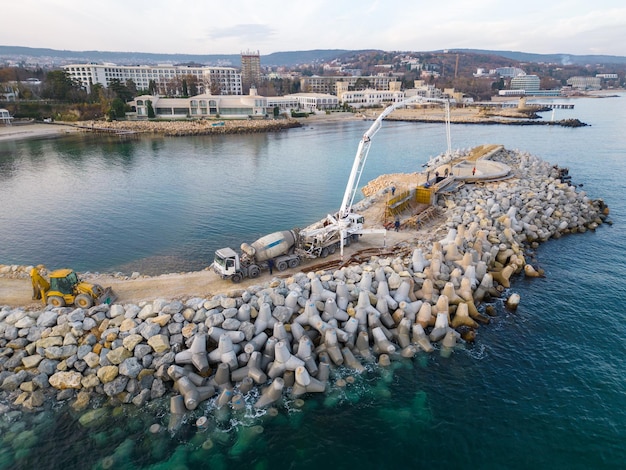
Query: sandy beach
{"x": 35, "y": 130}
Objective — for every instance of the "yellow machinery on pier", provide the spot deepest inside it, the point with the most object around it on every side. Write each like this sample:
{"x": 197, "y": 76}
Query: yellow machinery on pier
{"x": 65, "y": 288}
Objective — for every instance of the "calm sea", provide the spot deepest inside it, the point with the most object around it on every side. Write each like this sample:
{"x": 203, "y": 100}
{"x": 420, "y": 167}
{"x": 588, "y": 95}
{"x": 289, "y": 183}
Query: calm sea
{"x": 544, "y": 387}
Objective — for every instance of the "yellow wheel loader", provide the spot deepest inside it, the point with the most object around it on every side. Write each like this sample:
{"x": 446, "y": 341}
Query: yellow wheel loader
{"x": 65, "y": 288}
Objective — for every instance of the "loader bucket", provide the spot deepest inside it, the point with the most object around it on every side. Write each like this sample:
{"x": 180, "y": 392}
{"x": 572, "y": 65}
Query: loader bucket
{"x": 107, "y": 297}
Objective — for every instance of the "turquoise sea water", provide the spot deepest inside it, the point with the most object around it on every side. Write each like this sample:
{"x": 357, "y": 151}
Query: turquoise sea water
{"x": 543, "y": 387}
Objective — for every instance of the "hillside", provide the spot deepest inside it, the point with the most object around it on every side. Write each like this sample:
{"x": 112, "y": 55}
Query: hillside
{"x": 286, "y": 58}
{"x": 291, "y": 58}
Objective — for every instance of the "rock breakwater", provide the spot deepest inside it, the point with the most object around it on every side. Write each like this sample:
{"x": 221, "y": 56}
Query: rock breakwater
{"x": 287, "y": 337}
{"x": 195, "y": 127}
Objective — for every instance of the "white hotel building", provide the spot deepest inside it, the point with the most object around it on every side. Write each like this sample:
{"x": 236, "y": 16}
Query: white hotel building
{"x": 228, "y": 79}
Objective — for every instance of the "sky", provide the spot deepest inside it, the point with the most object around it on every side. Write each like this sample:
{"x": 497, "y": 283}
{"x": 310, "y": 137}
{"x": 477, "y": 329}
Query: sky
{"x": 233, "y": 26}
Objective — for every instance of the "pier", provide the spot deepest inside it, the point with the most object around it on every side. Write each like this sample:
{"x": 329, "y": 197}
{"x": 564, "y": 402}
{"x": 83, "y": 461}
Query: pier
{"x": 510, "y": 104}
{"x": 122, "y": 133}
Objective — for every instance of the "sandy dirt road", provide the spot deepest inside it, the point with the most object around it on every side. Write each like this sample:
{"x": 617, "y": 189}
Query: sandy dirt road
{"x": 18, "y": 292}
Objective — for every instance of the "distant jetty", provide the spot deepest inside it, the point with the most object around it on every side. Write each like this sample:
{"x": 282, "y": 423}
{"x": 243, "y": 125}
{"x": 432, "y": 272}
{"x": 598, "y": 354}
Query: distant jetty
{"x": 189, "y": 128}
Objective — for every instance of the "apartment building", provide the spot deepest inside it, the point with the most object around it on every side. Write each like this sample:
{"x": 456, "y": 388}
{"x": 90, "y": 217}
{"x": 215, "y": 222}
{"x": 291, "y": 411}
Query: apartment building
{"x": 529, "y": 83}
{"x": 585, "y": 83}
{"x": 370, "y": 97}
{"x": 226, "y": 80}
{"x": 250, "y": 70}
{"x": 328, "y": 84}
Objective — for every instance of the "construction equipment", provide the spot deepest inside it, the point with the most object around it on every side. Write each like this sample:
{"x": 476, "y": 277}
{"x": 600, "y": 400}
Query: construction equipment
{"x": 344, "y": 221}
{"x": 65, "y": 288}
{"x": 287, "y": 248}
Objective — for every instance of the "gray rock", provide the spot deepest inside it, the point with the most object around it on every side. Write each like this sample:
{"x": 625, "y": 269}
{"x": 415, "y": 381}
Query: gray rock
{"x": 194, "y": 303}
{"x": 92, "y": 359}
{"x": 10, "y": 332}
{"x": 231, "y": 324}
{"x": 146, "y": 361}
{"x": 47, "y": 366}
{"x": 15, "y": 316}
{"x": 116, "y": 310}
{"x": 60, "y": 352}
{"x": 104, "y": 361}
{"x": 88, "y": 324}
{"x": 34, "y": 333}
{"x": 158, "y": 389}
{"x": 4, "y": 374}
{"x": 77, "y": 315}
{"x": 17, "y": 343}
{"x": 133, "y": 387}
{"x": 173, "y": 307}
{"x": 41, "y": 381}
{"x": 230, "y": 312}
{"x": 15, "y": 360}
{"x": 214, "y": 319}
{"x": 90, "y": 339}
{"x": 12, "y": 382}
{"x": 82, "y": 351}
{"x": 71, "y": 361}
{"x": 47, "y": 319}
{"x": 142, "y": 398}
{"x": 131, "y": 311}
{"x": 116, "y": 386}
{"x": 200, "y": 316}
{"x": 148, "y": 329}
{"x": 142, "y": 350}
{"x": 66, "y": 394}
{"x": 118, "y": 355}
{"x": 130, "y": 368}
{"x": 177, "y": 342}
{"x": 166, "y": 360}
{"x": 99, "y": 317}
{"x": 147, "y": 312}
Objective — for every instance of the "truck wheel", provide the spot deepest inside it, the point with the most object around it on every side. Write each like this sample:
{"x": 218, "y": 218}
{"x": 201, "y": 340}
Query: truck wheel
{"x": 346, "y": 241}
{"x": 83, "y": 301}
{"x": 355, "y": 237}
{"x": 293, "y": 263}
{"x": 56, "y": 301}
{"x": 236, "y": 278}
{"x": 332, "y": 248}
{"x": 254, "y": 271}
{"x": 324, "y": 252}
{"x": 281, "y": 266}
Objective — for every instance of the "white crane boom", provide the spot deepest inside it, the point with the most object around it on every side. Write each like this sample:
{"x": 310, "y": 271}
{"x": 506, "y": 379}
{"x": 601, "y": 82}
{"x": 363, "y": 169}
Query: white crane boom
{"x": 364, "y": 146}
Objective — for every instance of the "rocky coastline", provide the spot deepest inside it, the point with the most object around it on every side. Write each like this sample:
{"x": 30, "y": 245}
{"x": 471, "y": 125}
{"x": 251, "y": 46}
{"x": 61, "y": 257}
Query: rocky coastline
{"x": 286, "y": 337}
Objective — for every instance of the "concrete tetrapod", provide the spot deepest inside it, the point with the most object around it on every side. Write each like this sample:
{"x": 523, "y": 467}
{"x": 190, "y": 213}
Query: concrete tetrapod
{"x": 304, "y": 383}
{"x": 271, "y": 393}
{"x": 419, "y": 337}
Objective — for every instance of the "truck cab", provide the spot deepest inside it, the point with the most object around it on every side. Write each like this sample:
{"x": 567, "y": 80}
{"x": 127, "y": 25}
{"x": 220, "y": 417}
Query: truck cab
{"x": 226, "y": 263}
{"x": 356, "y": 222}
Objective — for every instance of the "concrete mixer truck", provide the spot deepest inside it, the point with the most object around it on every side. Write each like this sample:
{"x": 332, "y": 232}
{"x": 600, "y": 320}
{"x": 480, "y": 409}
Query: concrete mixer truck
{"x": 286, "y": 249}
{"x": 282, "y": 250}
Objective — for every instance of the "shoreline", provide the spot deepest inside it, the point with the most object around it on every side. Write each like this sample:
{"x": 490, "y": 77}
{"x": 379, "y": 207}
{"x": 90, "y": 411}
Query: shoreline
{"x": 462, "y": 115}
{"x": 429, "y": 297}
{"x": 35, "y": 130}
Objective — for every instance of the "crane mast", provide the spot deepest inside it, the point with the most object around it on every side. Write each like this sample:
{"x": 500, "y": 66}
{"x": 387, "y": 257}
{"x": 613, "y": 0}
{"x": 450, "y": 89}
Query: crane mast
{"x": 364, "y": 147}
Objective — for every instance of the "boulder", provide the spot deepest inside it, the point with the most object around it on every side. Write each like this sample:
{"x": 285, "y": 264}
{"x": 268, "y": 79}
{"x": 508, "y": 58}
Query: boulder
{"x": 66, "y": 380}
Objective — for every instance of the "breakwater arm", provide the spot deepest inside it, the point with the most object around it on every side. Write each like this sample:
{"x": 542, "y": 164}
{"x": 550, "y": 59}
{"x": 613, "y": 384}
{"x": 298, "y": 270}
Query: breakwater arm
{"x": 429, "y": 297}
